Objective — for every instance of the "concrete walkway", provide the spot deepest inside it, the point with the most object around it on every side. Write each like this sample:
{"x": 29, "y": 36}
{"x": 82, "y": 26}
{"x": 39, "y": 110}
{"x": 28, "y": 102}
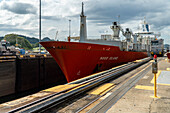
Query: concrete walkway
{"x": 140, "y": 99}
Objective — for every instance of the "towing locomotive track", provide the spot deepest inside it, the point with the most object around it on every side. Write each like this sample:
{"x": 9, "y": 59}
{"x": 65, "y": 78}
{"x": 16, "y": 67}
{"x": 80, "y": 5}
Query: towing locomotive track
{"x": 83, "y": 85}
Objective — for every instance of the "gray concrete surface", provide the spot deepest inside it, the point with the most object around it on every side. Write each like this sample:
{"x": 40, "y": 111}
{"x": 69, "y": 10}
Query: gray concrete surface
{"x": 139, "y": 99}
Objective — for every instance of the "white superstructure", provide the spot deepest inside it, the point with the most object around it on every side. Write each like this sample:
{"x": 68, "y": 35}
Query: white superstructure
{"x": 140, "y": 41}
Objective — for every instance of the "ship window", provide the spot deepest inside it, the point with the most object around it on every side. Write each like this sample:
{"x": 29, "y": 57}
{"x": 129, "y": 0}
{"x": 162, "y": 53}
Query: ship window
{"x": 154, "y": 42}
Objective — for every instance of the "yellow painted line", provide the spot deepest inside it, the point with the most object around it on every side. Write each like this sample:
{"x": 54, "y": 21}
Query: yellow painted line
{"x": 154, "y": 97}
{"x": 163, "y": 84}
{"x": 138, "y": 61}
{"x": 78, "y": 87}
{"x": 104, "y": 88}
{"x": 61, "y": 88}
{"x": 40, "y": 94}
{"x": 151, "y": 61}
{"x": 118, "y": 66}
{"x": 104, "y": 92}
{"x": 32, "y": 56}
{"x": 168, "y": 69}
{"x": 6, "y": 60}
{"x": 144, "y": 87}
{"x": 21, "y": 56}
{"x": 157, "y": 75}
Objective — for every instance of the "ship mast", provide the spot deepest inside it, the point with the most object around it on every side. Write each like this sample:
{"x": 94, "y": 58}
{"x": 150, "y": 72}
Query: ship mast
{"x": 83, "y": 29}
{"x": 82, "y": 11}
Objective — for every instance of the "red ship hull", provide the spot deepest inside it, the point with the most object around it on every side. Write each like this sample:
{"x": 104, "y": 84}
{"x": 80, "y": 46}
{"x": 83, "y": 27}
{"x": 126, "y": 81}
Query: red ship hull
{"x": 78, "y": 60}
{"x": 168, "y": 55}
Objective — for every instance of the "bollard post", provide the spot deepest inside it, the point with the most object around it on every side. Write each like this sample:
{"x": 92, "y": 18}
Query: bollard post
{"x": 155, "y": 70}
{"x": 155, "y": 90}
{"x": 68, "y": 38}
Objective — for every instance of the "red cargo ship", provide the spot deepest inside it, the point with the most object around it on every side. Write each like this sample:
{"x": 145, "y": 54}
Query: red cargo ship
{"x": 80, "y": 59}
{"x": 168, "y": 55}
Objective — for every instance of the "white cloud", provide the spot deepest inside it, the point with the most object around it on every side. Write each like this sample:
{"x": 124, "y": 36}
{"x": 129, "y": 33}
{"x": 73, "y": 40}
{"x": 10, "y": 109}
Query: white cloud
{"x": 18, "y": 8}
{"x": 21, "y": 16}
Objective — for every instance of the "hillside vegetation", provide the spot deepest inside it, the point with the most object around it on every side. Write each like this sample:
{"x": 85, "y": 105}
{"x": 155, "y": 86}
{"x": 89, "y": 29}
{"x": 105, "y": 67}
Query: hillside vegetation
{"x": 22, "y": 42}
{"x": 25, "y": 42}
{"x": 1, "y": 38}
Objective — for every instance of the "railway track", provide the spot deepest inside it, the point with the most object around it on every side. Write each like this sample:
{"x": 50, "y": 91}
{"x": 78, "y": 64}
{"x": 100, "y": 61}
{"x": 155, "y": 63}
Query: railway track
{"x": 83, "y": 85}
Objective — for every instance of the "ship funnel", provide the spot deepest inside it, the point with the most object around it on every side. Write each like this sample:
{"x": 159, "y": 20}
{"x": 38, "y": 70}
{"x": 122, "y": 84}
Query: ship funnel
{"x": 115, "y": 23}
{"x": 127, "y": 29}
{"x": 116, "y": 30}
{"x": 147, "y": 27}
{"x": 83, "y": 30}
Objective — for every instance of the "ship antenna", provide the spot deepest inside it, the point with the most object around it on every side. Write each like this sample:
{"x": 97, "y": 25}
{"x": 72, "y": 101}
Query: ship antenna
{"x": 69, "y": 28}
{"x": 118, "y": 19}
{"x": 82, "y": 13}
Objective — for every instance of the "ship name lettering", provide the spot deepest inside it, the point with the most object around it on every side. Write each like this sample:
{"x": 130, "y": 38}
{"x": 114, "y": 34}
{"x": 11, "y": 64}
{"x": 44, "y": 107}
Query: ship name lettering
{"x": 108, "y": 58}
{"x": 113, "y": 58}
{"x": 104, "y": 58}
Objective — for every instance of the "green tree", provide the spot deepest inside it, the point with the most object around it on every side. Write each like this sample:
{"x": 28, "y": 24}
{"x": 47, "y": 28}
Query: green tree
{"x": 23, "y": 43}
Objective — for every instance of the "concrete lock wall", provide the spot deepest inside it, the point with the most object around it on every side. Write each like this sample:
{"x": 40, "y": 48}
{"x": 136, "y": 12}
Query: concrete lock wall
{"x": 37, "y": 73}
{"x": 26, "y": 74}
{"x": 7, "y": 77}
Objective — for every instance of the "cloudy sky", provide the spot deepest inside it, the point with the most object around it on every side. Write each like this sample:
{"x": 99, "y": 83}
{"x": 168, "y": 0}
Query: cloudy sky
{"x": 21, "y": 16}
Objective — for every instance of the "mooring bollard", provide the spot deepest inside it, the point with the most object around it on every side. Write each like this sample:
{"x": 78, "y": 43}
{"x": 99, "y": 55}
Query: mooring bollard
{"x": 155, "y": 71}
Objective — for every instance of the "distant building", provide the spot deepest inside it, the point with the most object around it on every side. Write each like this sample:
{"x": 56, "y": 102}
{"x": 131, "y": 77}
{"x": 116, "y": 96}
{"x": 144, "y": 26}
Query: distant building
{"x": 166, "y": 47}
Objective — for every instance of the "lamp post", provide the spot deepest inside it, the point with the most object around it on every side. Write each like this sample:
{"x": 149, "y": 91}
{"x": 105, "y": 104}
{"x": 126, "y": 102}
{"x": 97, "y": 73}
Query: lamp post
{"x": 40, "y": 27}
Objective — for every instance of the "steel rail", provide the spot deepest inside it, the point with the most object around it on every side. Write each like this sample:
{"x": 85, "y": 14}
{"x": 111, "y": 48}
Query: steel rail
{"x": 97, "y": 74}
{"x": 93, "y": 82}
{"x": 104, "y": 75}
